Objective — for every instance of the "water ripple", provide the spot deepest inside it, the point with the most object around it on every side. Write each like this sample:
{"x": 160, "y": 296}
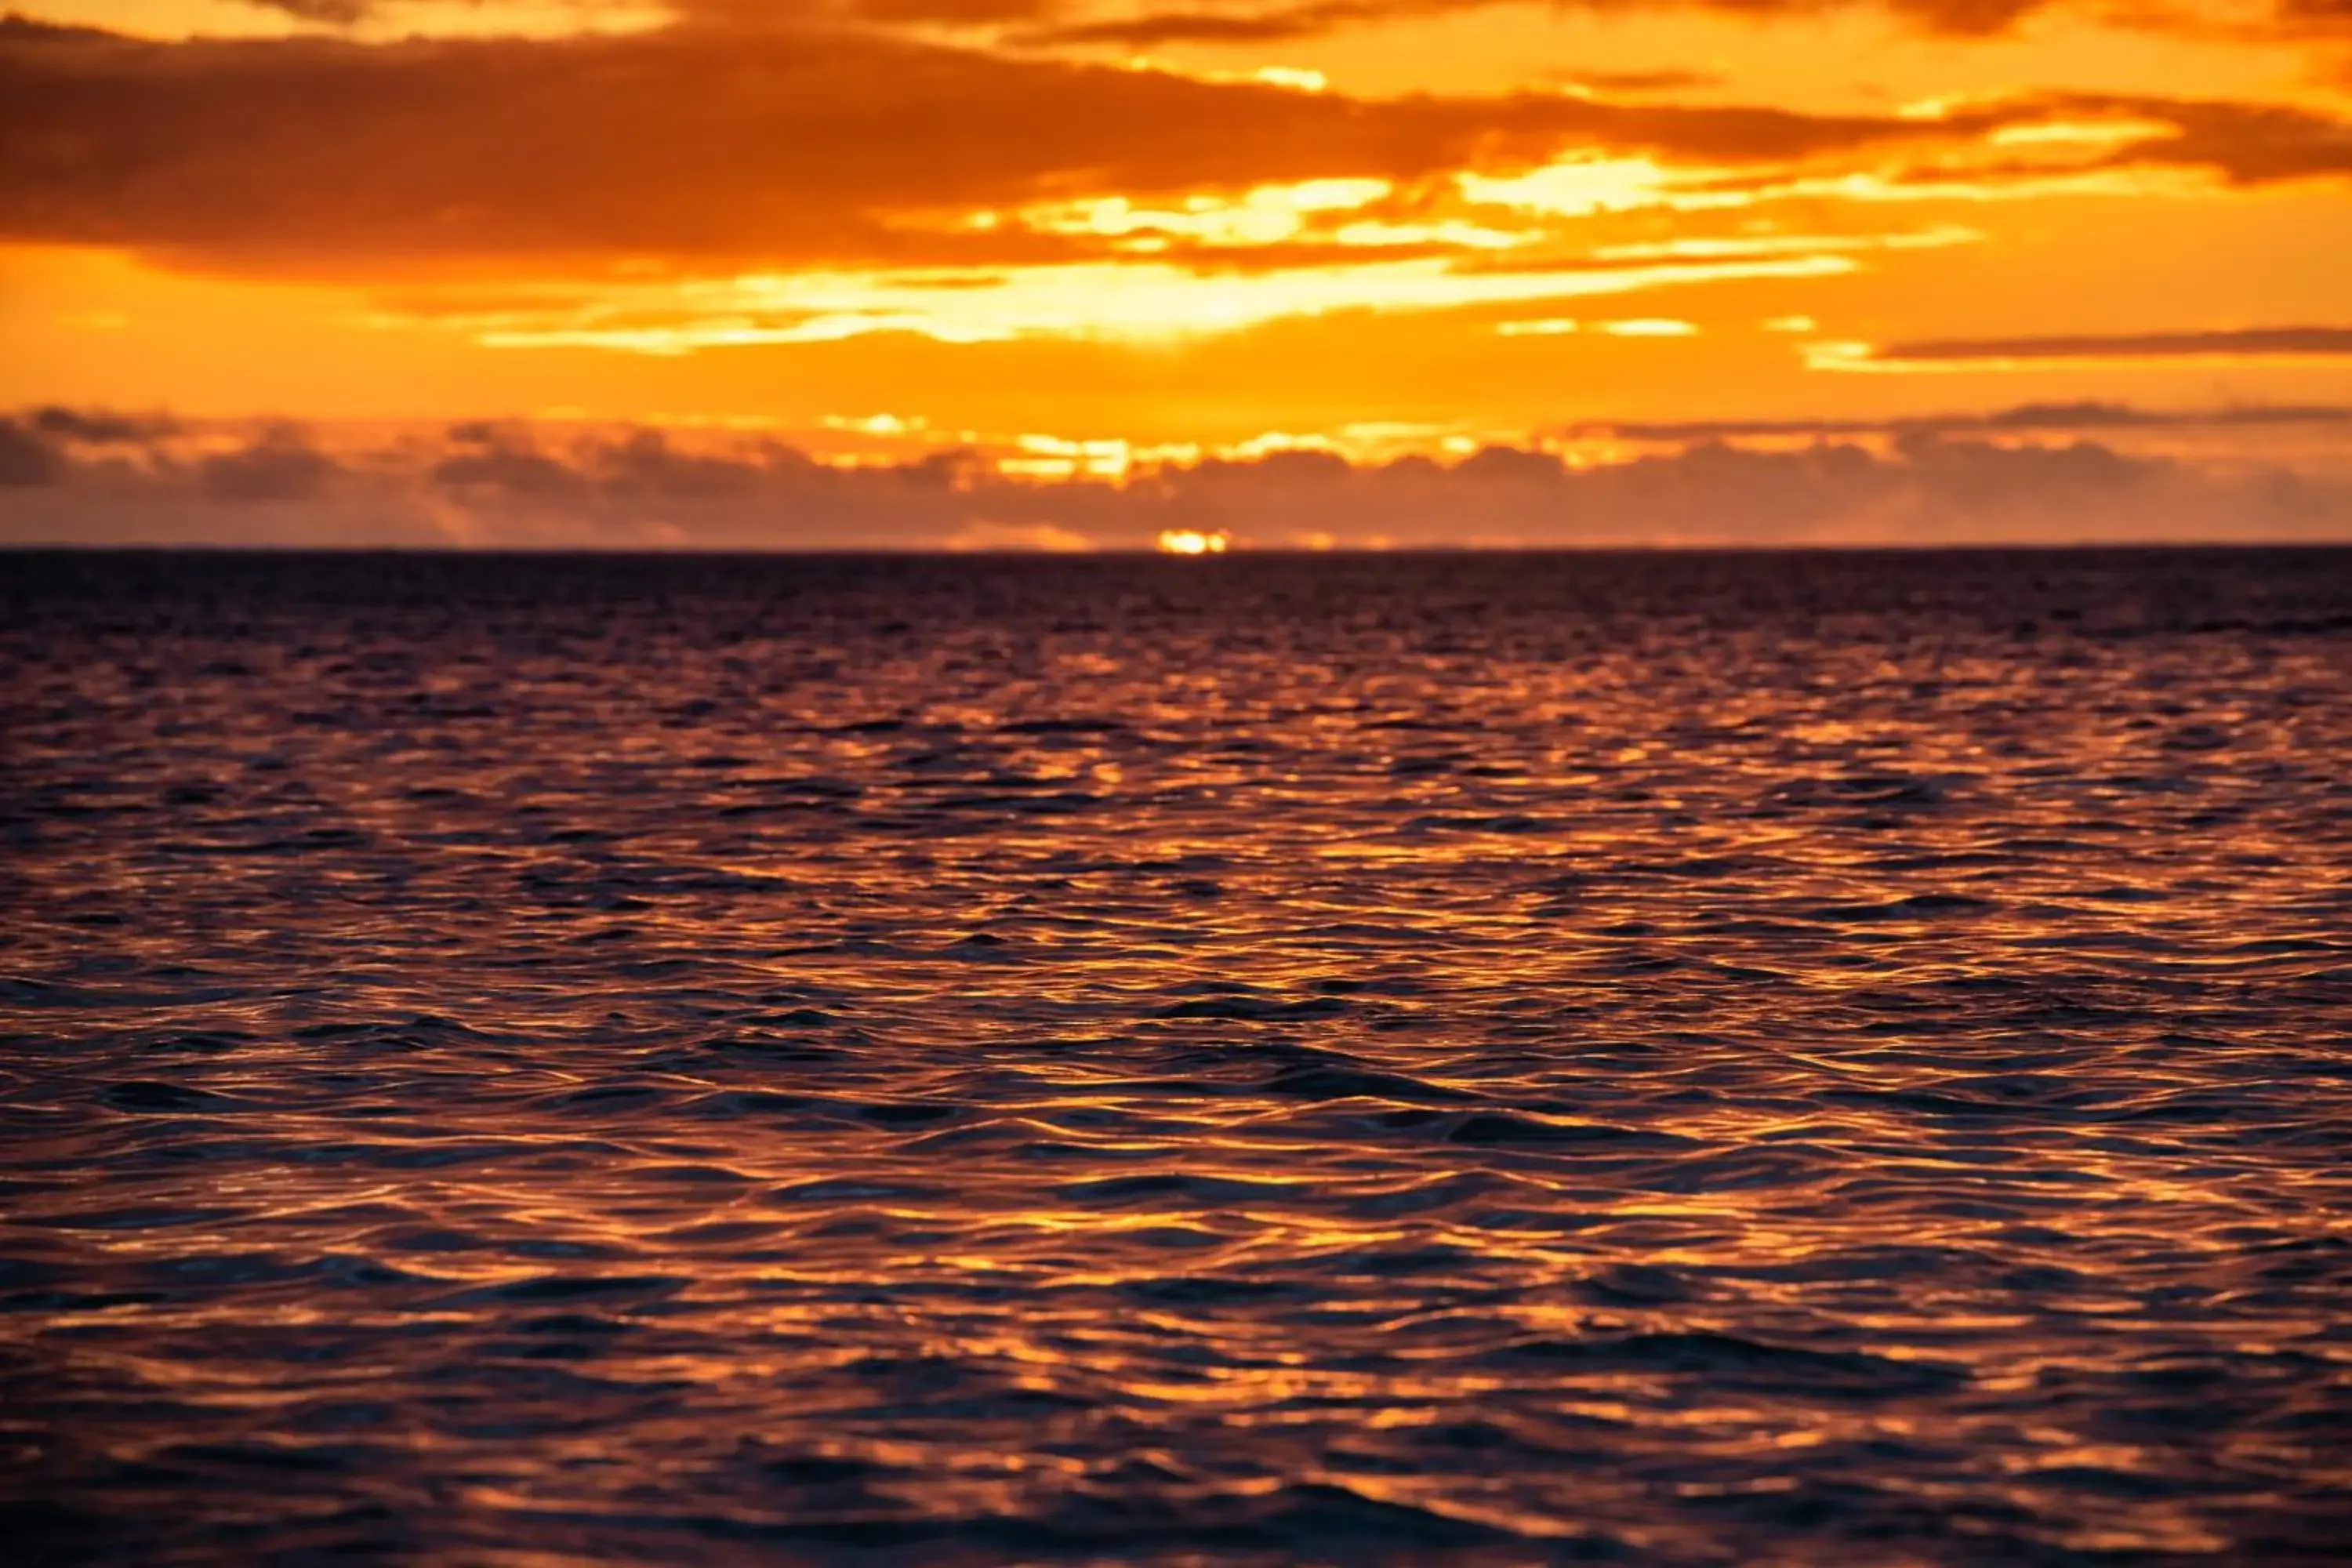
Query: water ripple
{"x": 1701, "y": 1059}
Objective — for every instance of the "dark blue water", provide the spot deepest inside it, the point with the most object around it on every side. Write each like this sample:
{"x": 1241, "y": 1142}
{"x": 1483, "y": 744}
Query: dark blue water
{"x": 1677, "y": 1059}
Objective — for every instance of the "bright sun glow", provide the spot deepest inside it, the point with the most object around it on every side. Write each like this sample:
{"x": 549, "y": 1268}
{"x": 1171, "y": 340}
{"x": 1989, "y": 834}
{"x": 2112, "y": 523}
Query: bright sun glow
{"x": 1193, "y": 541}
{"x": 1127, "y": 301}
{"x": 1267, "y": 214}
{"x": 1579, "y": 187}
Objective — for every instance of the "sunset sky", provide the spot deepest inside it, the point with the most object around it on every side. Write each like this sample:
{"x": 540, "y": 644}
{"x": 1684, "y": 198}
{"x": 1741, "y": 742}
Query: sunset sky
{"x": 1046, "y": 243}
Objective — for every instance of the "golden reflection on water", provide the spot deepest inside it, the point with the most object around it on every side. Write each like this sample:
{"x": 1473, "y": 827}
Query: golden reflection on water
{"x": 1714, "y": 1059}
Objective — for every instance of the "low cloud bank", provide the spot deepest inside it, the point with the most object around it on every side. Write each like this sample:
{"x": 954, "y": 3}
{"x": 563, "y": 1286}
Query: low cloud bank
{"x": 74, "y": 477}
{"x": 2022, "y": 418}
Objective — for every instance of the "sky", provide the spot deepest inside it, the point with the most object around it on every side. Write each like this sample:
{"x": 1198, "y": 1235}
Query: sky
{"x": 1062, "y": 274}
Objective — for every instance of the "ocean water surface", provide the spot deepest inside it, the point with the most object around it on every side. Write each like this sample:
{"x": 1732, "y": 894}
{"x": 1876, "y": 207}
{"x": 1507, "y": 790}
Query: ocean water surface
{"x": 1675, "y": 1060}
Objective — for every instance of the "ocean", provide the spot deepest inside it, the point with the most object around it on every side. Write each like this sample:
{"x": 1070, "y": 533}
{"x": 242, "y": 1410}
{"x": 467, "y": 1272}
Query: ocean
{"x": 1666, "y": 1059}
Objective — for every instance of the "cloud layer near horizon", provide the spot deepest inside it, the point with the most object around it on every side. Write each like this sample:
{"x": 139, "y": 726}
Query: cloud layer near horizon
{"x": 84, "y": 479}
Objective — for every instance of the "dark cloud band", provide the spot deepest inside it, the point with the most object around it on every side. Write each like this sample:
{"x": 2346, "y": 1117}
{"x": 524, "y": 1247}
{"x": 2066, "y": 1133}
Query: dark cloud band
{"x": 1053, "y": 23}
{"x": 513, "y": 486}
{"x": 2251, "y": 342}
{"x": 800, "y": 148}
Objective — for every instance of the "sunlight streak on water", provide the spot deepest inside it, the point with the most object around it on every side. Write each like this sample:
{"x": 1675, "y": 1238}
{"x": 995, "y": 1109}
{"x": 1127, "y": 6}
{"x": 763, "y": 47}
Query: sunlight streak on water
{"x": 1697, "y": 1059}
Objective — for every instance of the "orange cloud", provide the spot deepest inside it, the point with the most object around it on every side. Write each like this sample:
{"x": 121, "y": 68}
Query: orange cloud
{"x": 1063, "y": 21}
{"x": 695, "y": 149}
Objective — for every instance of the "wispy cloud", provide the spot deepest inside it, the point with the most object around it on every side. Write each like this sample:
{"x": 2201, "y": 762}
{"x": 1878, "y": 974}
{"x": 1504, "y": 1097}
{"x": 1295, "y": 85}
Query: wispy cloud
{"x": 1128, "y": 301}
{"x": 1976, "y": 353}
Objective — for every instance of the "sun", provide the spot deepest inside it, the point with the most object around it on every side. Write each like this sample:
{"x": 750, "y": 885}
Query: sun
{"x": 1193, "y": 541}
